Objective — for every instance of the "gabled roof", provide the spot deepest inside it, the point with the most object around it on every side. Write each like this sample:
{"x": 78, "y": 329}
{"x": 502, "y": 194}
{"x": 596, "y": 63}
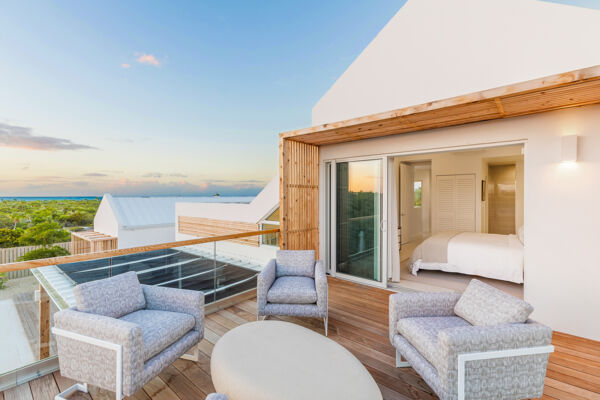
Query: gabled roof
{"x": 254, "y": 212}
{"x": 134, "y": 212}
{"x": 440, "y": 49}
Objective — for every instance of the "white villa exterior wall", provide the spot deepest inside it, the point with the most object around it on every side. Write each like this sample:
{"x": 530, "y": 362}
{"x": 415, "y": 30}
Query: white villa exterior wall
{"x": 436, "y": 49}
{"x": 561, "y": 212}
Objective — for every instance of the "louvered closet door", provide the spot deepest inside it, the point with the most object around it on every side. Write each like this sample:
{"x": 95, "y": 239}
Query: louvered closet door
{"x": 455, "y": 202}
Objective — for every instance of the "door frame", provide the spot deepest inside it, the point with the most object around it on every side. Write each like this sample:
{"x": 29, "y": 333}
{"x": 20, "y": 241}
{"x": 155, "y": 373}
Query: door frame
{"x": 331, "y": 217}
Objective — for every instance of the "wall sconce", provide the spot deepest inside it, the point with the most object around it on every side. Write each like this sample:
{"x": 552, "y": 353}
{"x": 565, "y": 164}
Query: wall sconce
{"x": 569, "y": 149}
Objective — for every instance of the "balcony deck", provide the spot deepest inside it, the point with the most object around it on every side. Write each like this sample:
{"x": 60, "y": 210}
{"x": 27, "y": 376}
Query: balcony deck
{"x": 358, "y": 319}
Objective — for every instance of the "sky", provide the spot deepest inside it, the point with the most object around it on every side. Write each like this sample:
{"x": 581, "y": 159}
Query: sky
{"x": 166, "y": 98}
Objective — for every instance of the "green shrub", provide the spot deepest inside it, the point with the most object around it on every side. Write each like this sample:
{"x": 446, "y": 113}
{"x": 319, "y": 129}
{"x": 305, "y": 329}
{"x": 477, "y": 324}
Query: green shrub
{"x": 3, "y": 279}
{"x": 44, "y": 233}
{"x": 9, "y": 237}
{"x": 44, "y": 252}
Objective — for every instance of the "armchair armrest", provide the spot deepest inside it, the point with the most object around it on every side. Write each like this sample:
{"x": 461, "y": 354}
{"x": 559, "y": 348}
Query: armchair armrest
{"x": 421, "y": 304}
{"x": 265, "y": 281}
{"x": 176, "y": 300}
{"x": 90, "y": 363}
{"x": 321, "y": 285}
{"x": 494, "y": 355}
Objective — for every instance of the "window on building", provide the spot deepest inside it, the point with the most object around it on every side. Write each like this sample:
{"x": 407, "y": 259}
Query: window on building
{"x": 418, "y": 193}
{"x": 271, "y": 222}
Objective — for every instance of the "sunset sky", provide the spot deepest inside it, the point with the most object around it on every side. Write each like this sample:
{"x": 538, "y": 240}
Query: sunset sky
{"x": 166, "y": 98}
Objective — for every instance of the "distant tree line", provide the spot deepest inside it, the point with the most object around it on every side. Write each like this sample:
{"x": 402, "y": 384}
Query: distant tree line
{"x": 44, "y": 222}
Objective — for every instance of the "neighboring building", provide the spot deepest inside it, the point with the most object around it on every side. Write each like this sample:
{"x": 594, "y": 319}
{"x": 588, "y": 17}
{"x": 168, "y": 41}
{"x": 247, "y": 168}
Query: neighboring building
{"x": 453, "y": 108}
{"x": 197, "y": 220}
{"x": 140, "y": 221}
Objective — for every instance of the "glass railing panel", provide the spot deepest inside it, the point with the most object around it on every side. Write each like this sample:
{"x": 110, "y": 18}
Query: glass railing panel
{"x": 26, "y": 312}
{"x": 220, "y": 269}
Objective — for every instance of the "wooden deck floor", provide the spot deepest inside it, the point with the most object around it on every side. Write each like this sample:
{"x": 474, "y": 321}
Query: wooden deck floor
{"x": 358, "y": 319}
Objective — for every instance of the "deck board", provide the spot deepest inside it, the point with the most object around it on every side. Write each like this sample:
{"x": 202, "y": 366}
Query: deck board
{"x": 358, "y": 318}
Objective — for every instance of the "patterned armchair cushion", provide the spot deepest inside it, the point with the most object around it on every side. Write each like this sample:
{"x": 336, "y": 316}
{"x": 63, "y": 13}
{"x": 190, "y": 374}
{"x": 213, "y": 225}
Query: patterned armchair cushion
{"x": 111, "y": 297}
{"x": 216, "y": 396}
{"x": 296, "y": 263}
{"x": 293, "y": 290}
{"x": 422, "y": 333}
{"x": 160, "y": 329}
{"x": 484, "y": 305}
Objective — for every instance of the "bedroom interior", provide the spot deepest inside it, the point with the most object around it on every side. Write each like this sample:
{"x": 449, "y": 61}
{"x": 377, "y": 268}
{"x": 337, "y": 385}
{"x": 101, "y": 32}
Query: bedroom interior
{"x": 459, "y": 215}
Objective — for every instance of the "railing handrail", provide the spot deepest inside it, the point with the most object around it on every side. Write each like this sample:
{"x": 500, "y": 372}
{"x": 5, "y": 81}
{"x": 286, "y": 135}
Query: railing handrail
{"x": 22, "y": 265}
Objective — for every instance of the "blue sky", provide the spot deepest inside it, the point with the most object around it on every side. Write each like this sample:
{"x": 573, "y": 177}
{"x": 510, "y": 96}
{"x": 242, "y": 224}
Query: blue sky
{"x": 158, "y": 98}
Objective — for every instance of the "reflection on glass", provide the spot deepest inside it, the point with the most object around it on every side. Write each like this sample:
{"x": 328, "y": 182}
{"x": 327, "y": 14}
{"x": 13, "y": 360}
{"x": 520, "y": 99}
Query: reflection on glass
{"x": 270, "y": 239}
{"x": 357, "y": 218}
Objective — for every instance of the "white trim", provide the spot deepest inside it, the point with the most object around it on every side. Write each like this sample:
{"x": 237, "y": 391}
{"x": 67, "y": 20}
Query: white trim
{"x": 100, "y": 343}
{"x": 483, "y": 145}
{"x": 487, "y": 355}
{"x": 399, "y": 362}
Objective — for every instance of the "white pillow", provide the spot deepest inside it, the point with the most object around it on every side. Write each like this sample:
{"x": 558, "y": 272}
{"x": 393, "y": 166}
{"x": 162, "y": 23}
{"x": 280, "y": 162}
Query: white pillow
{"x": 521, "y": 235}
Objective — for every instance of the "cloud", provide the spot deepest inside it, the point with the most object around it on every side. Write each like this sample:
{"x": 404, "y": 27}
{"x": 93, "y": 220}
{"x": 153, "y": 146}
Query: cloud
{"x": 178, "y": 175}
{"x": 125, "y": 66}
{"x": 152, "y": 175}
{"x": 147, "y": 59}
{"x": 95, "y": 174}
{"x": 58, "y": 186}
{"x": 21, "y": 137}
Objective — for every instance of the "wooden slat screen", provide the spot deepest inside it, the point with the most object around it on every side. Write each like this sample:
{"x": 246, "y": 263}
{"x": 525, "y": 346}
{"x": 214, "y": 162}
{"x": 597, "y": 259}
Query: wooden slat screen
{"x": 207, "y": 227}
{"x": 299, "y": 195}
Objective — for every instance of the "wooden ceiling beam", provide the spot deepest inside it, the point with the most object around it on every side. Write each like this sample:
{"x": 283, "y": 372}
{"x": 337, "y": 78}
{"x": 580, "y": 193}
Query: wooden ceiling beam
{"x": 570, "y": 89}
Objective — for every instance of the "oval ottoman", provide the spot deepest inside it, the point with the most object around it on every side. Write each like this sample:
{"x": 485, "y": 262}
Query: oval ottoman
{"x": 275, "y": 360}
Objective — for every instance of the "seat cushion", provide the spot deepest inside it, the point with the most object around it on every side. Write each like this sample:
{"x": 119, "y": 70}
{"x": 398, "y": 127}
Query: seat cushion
{"x": 422, "y": 333}
{"x": 484, "y": 305}
{"x": 295, "y": 263}
{"x": 160, "y": 329}
{"x": 112, "y": 297}
{"x": 293, "y": 290}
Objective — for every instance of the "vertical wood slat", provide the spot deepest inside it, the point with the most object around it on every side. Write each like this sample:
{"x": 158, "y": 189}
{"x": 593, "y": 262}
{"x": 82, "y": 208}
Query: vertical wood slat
{"x": 298, "y": 195}
{"x": 44, "y": 324}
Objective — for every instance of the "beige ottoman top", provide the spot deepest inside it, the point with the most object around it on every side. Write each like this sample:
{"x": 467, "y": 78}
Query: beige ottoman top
{"x": 274, "y": 360}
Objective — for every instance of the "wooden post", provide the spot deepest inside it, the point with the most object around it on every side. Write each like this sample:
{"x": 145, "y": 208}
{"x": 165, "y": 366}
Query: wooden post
{"x": 44, "y": 325}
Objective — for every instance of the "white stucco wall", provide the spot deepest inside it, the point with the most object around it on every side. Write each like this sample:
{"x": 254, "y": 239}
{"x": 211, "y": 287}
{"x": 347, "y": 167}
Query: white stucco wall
{"x": 561, "y": 212}
{"x": 105, "y": 220}
{"x": 436, "y": 49}
{"x": 145, "y": 235}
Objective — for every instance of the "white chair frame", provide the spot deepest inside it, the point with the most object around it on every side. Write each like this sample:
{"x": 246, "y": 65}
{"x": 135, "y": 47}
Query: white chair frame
{"x": 82, "y": 387}
{"x": 484, "y": 355}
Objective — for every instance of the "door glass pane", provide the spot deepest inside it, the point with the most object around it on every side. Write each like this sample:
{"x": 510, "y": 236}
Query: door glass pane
{"x": 358, "y": 210}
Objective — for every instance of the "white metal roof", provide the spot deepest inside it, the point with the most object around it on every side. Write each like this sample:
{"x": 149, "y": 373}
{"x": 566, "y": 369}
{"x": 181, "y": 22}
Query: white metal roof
{"x": 255, "y": 211}
{"x": 133, "y": 212}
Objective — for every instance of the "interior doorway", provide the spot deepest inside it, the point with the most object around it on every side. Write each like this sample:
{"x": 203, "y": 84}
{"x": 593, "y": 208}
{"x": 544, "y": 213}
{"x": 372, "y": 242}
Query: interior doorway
{"x": 414, "y": 205}
{"x": 501, "y": 189}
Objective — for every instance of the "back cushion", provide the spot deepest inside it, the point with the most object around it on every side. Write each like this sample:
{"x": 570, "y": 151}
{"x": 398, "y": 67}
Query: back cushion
{"x": 296, "y": 263}
{"x": 111, "y": 297}
{"x": 484, "y": 305}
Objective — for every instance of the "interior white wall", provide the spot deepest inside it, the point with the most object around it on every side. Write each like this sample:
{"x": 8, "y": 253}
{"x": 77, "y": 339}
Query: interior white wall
{"x": 561, "y": 210}
{"x": 458, "y": 162}
{"x": 436, "y": 49}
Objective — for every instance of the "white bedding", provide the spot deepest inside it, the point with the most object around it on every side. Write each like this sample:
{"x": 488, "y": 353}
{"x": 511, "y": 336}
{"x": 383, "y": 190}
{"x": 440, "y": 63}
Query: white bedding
{"x": 483, "y": 254}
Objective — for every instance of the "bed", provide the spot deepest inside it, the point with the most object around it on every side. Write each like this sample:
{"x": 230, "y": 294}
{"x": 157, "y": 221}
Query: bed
{"x": 483, "y": 254}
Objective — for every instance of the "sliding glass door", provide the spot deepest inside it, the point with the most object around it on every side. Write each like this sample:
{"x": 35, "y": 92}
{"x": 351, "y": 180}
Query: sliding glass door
{"x": 357, "y": 208}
